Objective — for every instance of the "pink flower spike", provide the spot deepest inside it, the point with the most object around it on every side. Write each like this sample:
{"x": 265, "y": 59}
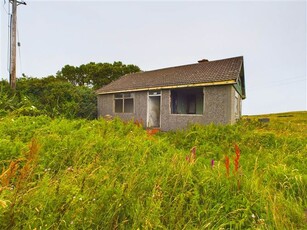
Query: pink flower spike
{"x": 187, "y": 158}
{"x": 193, "y": 153}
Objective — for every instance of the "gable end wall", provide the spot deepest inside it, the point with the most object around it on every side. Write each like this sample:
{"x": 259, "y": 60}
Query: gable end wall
{"x": 233, "y": 109}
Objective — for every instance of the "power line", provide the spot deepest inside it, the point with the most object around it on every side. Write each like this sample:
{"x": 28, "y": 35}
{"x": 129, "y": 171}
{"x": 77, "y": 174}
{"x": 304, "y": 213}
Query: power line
{"x": 4, "y": 7}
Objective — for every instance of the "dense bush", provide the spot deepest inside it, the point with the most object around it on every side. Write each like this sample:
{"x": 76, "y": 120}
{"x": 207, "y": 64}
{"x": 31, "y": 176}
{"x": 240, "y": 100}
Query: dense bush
{"x": 80, "y": 174}
{"x": 49, "y": 96}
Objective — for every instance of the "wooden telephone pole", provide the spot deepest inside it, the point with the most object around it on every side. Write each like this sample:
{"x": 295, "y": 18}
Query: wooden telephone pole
{"x": 13, "y": 27}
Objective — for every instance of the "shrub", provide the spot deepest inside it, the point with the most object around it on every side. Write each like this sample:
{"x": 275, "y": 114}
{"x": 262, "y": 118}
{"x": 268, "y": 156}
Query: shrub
{"x": 49, "y": 96}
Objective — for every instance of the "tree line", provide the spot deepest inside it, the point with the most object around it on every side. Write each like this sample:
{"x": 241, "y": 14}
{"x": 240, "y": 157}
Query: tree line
{"x": 95, "y": 75}
{"x": 70, "y": 93}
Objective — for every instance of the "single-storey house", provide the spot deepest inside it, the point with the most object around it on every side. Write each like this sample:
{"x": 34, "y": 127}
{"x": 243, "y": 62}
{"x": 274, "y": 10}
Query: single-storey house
{"x": 171, "y": 98}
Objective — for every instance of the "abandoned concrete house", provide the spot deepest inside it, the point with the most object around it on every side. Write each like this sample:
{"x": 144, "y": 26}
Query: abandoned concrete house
{"x": 171, "y": 98}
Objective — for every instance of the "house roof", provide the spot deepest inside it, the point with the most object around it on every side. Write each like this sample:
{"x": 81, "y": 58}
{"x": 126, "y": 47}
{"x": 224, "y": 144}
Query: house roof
{"x": 225, "y": 71}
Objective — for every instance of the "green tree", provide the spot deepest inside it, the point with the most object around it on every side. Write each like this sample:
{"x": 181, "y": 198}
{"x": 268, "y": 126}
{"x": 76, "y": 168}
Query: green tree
{"x": 94, "y": 74}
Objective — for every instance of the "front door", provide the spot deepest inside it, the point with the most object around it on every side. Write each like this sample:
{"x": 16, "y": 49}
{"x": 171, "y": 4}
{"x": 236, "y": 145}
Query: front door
{"x": 153, "y": 117}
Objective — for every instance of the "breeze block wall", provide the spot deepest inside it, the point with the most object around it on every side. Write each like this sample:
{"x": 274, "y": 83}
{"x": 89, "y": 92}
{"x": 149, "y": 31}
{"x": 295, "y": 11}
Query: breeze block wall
{"x": 217, "y": 109}
{"x": 218, "y": 104}
{"x": 105, "y": 107}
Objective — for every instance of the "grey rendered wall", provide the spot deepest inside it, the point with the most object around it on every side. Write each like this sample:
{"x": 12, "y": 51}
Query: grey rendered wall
{"x": 218, "y": 104}
{"x": 105, "y": 106}
{"x": 217, "y": 109}
{"x": 140, "y": 107}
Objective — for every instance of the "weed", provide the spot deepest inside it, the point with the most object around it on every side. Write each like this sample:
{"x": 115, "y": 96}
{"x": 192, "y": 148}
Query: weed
{"x": 227, "y": 165}
{"x": 79, "y": 174}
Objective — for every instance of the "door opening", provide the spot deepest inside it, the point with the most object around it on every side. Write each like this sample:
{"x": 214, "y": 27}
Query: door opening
{"x": 154, "y": 101}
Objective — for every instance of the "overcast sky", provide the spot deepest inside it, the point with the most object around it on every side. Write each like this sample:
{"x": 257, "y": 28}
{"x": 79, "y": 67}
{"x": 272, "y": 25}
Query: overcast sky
{"x": 271, "y": 35}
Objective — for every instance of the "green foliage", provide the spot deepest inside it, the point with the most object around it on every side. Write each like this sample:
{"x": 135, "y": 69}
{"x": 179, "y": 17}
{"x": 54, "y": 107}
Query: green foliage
{"x": 49, "y": 96}
{"x": 8, "y": 101}
{"x": 81, "y": 174}
{"x": 70, "y": 94}
{"x": 94, "y": 74}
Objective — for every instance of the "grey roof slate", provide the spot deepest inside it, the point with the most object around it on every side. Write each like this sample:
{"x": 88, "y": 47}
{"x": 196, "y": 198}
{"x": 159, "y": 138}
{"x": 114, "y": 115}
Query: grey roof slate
{"x": 203, "y": 72}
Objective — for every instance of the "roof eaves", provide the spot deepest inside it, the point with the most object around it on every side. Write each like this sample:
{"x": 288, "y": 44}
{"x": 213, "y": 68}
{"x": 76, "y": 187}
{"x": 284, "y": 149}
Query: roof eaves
{"x": 230, "y": 82}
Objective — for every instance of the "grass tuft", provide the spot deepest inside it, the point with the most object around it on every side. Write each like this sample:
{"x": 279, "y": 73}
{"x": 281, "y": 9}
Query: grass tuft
{"x": 80, "y": 174}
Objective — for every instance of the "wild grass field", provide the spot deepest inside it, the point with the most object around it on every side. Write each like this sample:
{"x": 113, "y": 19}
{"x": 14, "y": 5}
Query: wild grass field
{"x": 106, "y": 174}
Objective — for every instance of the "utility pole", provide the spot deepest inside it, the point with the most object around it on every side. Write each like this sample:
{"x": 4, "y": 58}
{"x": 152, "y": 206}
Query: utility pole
{"x": 13, "y": 28}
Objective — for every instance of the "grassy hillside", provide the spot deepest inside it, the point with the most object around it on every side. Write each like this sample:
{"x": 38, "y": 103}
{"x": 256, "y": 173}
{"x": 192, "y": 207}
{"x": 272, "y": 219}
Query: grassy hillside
{"x": 80, "y": 174}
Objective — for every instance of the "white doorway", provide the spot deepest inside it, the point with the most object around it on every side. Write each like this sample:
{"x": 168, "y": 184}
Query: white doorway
{"x": 154, "y": 104}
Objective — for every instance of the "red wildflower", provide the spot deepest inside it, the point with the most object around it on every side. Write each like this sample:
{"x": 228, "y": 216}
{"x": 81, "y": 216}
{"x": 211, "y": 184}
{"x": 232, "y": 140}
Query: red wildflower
{"x": 192, "y": 156}
{"x": 193, "y": 153}
{"x": 187, "y": 158}
{"x": 151, "y": 132}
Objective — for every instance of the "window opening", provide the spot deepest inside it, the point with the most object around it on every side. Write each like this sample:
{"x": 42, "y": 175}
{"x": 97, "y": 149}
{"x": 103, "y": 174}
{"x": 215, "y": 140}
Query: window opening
{"x": 124, "y": 102}
{"x": 187, "y": 101}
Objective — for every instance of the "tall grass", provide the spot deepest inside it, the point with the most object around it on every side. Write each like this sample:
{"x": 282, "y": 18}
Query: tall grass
{"x": 79, "y": 174}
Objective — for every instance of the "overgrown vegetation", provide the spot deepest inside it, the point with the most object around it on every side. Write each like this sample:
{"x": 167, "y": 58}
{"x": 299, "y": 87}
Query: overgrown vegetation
{"x": 69, "y": 94}
{"x": 47, "y": 96}
{"x": 81, "y": 174}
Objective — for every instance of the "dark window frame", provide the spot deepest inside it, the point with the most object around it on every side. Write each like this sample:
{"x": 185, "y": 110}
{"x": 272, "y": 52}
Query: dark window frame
{"x": 185, "y": 101}
{"x": 124, "y": 103}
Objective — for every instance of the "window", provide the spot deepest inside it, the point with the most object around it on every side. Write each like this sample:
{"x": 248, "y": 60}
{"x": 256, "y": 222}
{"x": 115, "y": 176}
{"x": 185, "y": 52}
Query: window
{"x": 123, "y": 103}
{"x": 187, "y": 101}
